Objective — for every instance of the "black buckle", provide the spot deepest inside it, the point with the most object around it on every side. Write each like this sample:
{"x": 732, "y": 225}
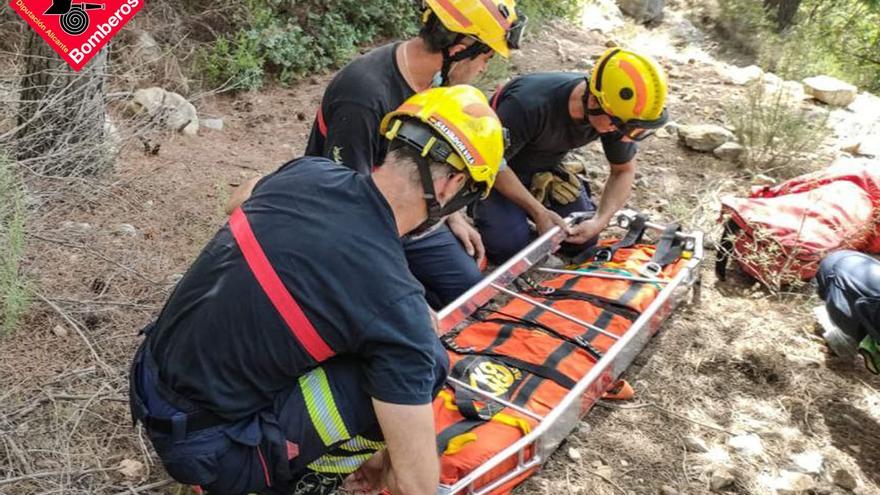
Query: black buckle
{"x": 517, "y": 31}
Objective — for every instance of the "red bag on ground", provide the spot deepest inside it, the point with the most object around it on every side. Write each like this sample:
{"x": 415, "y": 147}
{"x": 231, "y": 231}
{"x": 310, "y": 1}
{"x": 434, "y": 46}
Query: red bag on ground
{"x": 781, "y": 233}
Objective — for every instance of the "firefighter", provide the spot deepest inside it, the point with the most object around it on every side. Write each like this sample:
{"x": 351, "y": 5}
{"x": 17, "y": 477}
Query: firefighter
{"x": 299, "y": 331}
{"x": 548, "y": 115}
{"x": 849, "y": 283}
{"x": 456, "y": 42}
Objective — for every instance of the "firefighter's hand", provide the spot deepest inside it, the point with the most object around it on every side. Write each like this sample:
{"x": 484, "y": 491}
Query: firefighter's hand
{"x": 586, "y": 230}
{"x": 468, "y": 236}
{"x": 368, "y": 479}
{"x": 548, "y": 219}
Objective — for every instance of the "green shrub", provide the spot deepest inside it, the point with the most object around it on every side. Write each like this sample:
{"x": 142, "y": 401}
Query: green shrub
{"x": 289, "y": 40}
{"x": 543, "y": 10}
{"x": 13, "y": 287}
{"x": 775, "y": 131}
{"x": 840, "y": 39}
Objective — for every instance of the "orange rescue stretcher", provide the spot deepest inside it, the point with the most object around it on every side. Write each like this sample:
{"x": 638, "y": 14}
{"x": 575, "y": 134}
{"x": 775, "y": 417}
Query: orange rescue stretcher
{"x": 523, "y": 373}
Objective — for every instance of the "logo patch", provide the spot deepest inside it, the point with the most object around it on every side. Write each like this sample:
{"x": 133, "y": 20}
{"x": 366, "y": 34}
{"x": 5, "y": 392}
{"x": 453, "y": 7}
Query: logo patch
{"x": 77, "y": 29}
{"x": 494, "y": 377}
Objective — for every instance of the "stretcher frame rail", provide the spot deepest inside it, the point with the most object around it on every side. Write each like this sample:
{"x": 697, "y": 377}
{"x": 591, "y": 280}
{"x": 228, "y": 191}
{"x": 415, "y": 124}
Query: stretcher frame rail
{"x": 533, "y": 449}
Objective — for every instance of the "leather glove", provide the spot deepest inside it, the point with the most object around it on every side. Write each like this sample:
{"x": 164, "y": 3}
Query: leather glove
{"x": 566, "y": 188}
{"x": 540, "y": 184}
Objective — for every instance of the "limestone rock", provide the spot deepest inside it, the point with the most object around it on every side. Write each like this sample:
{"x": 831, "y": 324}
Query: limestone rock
{"x": 126, "y": 230}
{"x": 695, "y": 444}
{"x": 740, "y": 76}
{"x": 810, "y": 462}
{"x": 601, "y": 15}
{"x": 574, "y": 454}
{"x": 830, "y": 90}
{"x": 729, "y": 151}
{"x": 169, "y": 108}
{"x": 791, "y": 483}
{"x": 643, "y": 11}
{"x": 748, "y": 445}
{"x": 704, "y": 137}
{"x": 213, "y": 124}
{"x": 721, "y": 480}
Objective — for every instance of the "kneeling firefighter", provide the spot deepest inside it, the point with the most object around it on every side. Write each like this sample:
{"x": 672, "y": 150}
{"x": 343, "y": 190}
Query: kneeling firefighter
{"x": 298, "y": 341}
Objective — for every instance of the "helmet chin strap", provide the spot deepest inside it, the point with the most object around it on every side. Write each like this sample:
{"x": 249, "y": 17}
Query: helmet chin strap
{"x": 470, "y": 52}
{"x": 436, "y": 211}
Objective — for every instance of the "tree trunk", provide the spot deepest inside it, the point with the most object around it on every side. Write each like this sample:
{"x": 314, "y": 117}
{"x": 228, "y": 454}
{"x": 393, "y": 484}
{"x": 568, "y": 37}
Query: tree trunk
{"x": 783, "y": 11}
{"x": 61, "y": 114}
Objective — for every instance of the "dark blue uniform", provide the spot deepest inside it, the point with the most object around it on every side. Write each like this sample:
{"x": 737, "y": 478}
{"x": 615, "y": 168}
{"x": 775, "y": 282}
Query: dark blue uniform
{"x": 220, "y": 348}
{"x": 535, "y": 110}
{"x": 347, "y": 131}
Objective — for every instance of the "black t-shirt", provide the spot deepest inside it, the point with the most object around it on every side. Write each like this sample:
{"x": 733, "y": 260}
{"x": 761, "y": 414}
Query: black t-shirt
{"x": 353, "y": 107}
{"x": 332, "y": 238}
{"x": 535, "y": 109}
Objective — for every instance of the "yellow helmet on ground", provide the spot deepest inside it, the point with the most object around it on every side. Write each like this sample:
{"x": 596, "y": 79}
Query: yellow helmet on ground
{"x": 495, "y": 23}
{"x": 453, "y": 125}
{"x": 631, "y": 88}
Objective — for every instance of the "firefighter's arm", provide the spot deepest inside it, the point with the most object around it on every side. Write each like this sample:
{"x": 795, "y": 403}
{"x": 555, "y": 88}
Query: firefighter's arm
{"x": 411, "y": 447}
{"x": 240, "y": 194}
{"x": 509, "y": 185}
{"x": 614, "y": 197}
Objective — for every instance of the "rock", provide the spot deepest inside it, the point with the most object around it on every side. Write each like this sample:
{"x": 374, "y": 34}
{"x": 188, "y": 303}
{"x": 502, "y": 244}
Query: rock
{"x": 601, "y": 15}
{"x": 740, "y": 76}
{"x": 830, "y": 90}
{"x": 792, "y": 483}
{"x": 125, "y": 229}
{"x": 131, "y": 468}
{"x": 704, "y": 137}
{"x": 166, "y": 107}
{"x": 60, "y": 331}
{"x": 77, "y": 227}
{"x": 643, "y": 11}
{"x": 663, "y": 133}
{"x": 605, "y": 471}
{"x": 730, "y": 151}
{"x": 845, "y": 480}
{"x": 668, "y": 490}
{"x": 808, "y": 462}
{"x": 624, "y": 463}
{"x": 146, "y": 47}
{"x": 695, "y": 444}
{"x": 748, "y": 445}
{"x": 213, "y": 124}
{"x": 574, "y": 454}
{"x": 721, "y": 479}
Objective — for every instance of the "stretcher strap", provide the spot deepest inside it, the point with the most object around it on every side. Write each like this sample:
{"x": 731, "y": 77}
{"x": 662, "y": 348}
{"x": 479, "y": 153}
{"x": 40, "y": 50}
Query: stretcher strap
{"x": 536, "y": 369}
{"x": 534, "y": 325}
{"x": 670, "y": 247}
{"x": 606, "y": 304}
{"x": 633, "y": 236}
{"x": 300, "y": 327}
{"x": 725, "y": 248}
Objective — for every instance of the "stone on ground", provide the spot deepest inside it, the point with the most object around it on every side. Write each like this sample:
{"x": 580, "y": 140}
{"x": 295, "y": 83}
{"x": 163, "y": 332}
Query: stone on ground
{"x": 830, "y": 90}
{"x": 704, "y": 137}
{"x": 642, "y": 11}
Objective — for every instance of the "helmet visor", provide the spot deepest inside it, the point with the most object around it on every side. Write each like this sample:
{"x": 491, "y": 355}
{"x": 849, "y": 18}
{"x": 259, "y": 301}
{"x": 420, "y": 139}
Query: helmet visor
{"x": 639, "y": 130}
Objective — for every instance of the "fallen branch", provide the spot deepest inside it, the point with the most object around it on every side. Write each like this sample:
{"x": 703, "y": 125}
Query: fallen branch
{"x": 667, "y": 412}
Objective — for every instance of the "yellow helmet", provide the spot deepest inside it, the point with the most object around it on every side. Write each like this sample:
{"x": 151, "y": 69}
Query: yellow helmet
{"x": 453, "y": 125}
{"x": 495, "y": 23}
{"x": 630, "y": 88}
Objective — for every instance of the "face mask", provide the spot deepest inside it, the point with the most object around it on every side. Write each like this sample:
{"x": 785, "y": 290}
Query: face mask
{"x": 437, "y": 80}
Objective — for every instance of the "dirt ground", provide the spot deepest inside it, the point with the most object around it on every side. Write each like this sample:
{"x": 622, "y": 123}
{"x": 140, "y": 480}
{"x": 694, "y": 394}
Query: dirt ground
{"x": 743, "y": 361}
